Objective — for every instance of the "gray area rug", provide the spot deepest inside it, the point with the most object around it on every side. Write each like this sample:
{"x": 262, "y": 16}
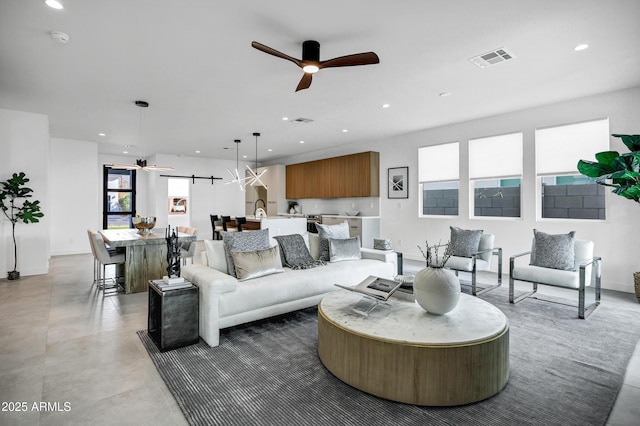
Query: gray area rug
{"x": 564, "y": 371}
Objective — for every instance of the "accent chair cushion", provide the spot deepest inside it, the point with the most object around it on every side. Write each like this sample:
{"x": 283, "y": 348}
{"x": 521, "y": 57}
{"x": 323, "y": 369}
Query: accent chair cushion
{"x": 338, "y": 231}
{"x": 254, "y": 264}
{"x": 344, "y": 249}
{"x": 244, "y": 241}
{"x": 555, "y": 251}
{"x": 465, "y": 242}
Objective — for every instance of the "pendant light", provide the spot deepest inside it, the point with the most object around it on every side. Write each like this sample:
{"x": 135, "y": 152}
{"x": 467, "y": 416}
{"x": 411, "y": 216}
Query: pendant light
{"x": 254, "y": 176}
{"x": 141, "y": 163}
{"x": 235, "y": 175}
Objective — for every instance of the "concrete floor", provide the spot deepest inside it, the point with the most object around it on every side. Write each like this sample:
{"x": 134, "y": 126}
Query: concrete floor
{"x": 68, "y": 356}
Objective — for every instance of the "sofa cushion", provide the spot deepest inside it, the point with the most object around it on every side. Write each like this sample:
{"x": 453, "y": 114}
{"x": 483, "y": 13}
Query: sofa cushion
{"x": 465, "y": 242}
{"x": 254, "y": 264}
{"x": 337, "y": 231}
{"x": 553, "y": 251}
{"x": 344, "y": 249}
{"x": 294, "y": 252}
{"x": 244, "y": 241}
{"x": 215, "y": 255}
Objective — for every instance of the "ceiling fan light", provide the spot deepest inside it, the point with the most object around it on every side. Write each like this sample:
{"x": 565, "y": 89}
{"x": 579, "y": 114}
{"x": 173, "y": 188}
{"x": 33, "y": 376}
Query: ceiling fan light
{"x": 310, "y": 69}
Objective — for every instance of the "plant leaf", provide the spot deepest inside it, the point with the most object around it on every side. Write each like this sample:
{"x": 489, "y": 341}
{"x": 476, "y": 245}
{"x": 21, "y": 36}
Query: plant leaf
{"x": 631, "y": 141}
{"x": 594, "y": 169}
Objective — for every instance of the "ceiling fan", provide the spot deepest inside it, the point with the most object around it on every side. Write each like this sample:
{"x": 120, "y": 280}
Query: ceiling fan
{"x": 311, "y": 63}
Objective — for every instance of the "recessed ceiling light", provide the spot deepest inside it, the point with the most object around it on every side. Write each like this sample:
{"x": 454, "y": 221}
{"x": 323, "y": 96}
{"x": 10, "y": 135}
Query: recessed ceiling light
{"x": 125, "y": 152}
{"x": 580, "y": 47}
{"x": 345, "y": 130}
{"x": 244, "y": 156}
{"x": 198, "y": 151}
{"x": 385, "y": 105}
{"x": 444, "y": 94}
{"x": 102, "y": 134}
{"x": 285, "y": 118}
{"x": 54, "y": 4}
{"x": 301, "y": 141}
{"x": 269, "y": 150}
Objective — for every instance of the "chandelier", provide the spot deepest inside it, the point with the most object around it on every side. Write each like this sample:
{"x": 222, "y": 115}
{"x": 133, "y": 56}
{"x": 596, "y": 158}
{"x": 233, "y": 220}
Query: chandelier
{"x": 141, "y": 163}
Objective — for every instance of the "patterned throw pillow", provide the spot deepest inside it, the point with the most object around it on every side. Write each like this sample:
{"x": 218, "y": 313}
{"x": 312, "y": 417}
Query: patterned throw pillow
{"x": 244, "y": 241}
{"x": 465, "y": 242}
{"x": 294, "y": 252}
{"x": 254, "y": 264}
{"x": 338, "y": 231}
{"x": 346, "y": 249}
{"x": 554, "y": 251}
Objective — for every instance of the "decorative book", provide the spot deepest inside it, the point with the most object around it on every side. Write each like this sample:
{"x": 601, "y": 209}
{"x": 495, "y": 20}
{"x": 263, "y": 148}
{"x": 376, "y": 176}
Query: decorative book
{"x": 379, "y": 288}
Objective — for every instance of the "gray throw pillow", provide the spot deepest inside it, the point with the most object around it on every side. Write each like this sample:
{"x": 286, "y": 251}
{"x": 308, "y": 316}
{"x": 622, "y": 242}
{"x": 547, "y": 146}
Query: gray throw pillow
{"x": 465, "y": 242}
{"x": 344, "y": 249}
{"x": 294, "y": 252}
{"x": 244, "y": 241}
{"x": 254, "y": 264}
{"x": 556, "y": 251}
{"x": 338, "y": 231}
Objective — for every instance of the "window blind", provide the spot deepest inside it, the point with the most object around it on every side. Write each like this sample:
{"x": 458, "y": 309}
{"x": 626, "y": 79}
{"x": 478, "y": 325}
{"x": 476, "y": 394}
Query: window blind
{"x": 439, "y": 163}
{"x": 495, "y": 156}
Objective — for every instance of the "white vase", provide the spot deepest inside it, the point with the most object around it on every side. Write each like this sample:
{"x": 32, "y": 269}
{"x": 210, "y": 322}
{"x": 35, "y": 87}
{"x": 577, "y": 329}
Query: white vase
{"x": 437, "y": 290}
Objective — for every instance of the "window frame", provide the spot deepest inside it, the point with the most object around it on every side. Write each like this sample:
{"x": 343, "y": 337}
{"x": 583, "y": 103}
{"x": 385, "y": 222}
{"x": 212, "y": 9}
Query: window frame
{"x": 105, "y": 196}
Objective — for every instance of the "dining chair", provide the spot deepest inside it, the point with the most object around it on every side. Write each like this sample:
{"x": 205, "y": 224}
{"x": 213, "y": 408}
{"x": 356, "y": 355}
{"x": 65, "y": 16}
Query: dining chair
{"x": 106, "y": 257}
{"x": 187, "y": 249}
{"x": 96, "y": 263}
{"x": 225, "y": 221}
{"x": 239, "y": 222}
{"x": 216, "y": 227}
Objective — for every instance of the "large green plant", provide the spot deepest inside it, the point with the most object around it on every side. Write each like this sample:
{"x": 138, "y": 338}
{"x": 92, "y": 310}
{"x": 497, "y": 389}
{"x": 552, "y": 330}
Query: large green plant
{"x": 619, "y": 171}
{"x": 17, "y": 208}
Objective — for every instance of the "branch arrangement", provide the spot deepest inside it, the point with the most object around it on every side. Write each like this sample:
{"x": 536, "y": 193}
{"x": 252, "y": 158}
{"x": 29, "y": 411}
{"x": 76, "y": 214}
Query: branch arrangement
{"x": 431, "y": 254}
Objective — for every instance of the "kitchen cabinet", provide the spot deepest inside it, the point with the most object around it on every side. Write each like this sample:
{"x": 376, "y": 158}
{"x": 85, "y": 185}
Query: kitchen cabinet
{"x": 355, "y": 175}
{"x": 365, "y": 227}
{"x": 273, "y": 196}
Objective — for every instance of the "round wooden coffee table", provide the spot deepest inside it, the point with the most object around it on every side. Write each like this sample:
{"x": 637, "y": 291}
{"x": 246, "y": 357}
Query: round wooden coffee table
{"x": 400, "y": 352}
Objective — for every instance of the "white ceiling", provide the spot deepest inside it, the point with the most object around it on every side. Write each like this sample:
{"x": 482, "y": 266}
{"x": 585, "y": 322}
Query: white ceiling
{"x": 193, "y": 62}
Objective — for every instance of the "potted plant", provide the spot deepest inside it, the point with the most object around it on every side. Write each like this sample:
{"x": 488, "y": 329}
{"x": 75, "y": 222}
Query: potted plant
{"x": 17, "y": 208}
{"x": 620, "y": 172}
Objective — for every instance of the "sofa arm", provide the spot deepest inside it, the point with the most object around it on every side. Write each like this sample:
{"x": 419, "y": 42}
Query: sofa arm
{"x": 214, "y": 281}
{"x": 381, "y": 255}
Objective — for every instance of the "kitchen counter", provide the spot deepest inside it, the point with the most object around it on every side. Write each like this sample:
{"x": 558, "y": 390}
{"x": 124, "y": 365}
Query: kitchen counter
{"x": 367, "y": 228}
{"x": 346, "y": 216}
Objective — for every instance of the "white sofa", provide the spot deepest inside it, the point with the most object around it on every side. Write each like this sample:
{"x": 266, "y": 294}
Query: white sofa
{"x": 225, "y": 301}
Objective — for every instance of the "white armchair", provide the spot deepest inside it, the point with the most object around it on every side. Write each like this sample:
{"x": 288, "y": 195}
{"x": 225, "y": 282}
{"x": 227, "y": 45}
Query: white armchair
{"x": 586, "y": 278}
{"x": 479, "y": 261}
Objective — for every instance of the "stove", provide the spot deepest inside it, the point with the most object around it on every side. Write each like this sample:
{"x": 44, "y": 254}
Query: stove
{"x": 312, "y": 219}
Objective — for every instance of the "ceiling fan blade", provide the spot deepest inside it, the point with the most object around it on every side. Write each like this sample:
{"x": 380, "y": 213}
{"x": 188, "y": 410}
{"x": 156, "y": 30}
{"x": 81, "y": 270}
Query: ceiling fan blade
{"x": 366, "y": 58}
{"x": 305, "y": 82}
{"x": 274, "y": 52}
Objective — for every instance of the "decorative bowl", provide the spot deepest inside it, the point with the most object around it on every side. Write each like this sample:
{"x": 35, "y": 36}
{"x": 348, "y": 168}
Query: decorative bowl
{"x": 353, "y": 213}
{"x": 143, "y": 224}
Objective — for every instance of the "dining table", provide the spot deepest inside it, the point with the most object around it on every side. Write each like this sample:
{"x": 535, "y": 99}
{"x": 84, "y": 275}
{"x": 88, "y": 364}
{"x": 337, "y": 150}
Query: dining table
{"x": 145, "y": 254}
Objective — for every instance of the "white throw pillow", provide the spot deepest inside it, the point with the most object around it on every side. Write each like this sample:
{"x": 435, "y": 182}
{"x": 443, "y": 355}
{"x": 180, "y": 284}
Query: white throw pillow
{"x": 216, "y": 255}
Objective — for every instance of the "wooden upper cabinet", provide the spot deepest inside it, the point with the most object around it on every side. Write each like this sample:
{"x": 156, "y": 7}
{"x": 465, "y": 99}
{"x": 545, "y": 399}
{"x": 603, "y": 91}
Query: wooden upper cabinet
{"x": 355, "y": 175}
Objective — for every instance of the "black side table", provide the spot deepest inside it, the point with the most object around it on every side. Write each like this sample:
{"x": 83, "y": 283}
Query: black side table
{"x": 173, "y": 317}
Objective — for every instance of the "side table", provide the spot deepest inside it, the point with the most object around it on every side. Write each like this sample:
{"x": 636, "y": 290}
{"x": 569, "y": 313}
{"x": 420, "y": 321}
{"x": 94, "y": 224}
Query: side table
{"x": 173, "y": 317}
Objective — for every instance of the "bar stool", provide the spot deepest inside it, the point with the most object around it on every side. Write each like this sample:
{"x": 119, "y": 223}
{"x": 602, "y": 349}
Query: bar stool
{"x": 105, "y": 257}
{"x": 225, "y": 228}
{"x": 215, "y": 226}
{"x": 239, "y": 222}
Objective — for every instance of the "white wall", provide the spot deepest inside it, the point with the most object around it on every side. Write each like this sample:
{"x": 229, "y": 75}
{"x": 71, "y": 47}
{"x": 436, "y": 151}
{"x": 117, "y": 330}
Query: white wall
{"x": 617, "y": 240}
{"x": 24, "y": 142}
{"x": 206, "y": 198}
{"x": 76, "y": 195}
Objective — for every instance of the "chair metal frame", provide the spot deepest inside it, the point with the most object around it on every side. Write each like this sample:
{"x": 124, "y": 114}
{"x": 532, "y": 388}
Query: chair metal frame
{"x": 583, "y": 311}
{"x": 475, "y": 290}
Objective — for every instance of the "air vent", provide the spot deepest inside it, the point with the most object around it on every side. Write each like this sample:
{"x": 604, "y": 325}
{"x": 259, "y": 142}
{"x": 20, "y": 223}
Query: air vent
{"x": 492, "y": 58}
{"x": 302, "y": 120}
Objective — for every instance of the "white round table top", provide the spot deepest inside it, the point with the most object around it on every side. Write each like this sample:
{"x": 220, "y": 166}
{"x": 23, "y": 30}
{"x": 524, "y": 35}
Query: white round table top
{"x": 473, "y": 320}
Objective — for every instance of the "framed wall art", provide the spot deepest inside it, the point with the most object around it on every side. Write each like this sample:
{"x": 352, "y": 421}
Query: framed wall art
{"x": 398, "y": 182}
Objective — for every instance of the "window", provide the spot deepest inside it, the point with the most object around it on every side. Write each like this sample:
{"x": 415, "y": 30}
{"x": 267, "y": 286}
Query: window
{"x": 495, "y": 173}
{"x": 119, "y": 198}
{"x": 565, "y": 193}
{"x": 439, "y": 174}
